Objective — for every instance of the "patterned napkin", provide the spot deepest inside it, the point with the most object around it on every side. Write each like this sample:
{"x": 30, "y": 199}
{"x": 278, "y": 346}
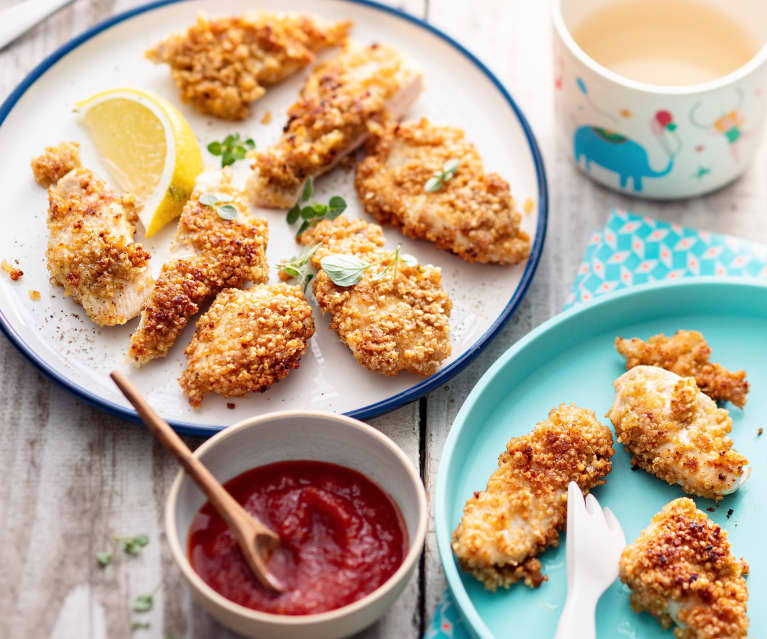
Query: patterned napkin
{"x": 633, "y": 250}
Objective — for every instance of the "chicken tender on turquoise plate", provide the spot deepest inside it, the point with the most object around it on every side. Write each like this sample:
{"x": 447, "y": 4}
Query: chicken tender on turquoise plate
{"x": 676, "y": 432}
{"x": 681, "y": 570}
{"x": 506, "y": 527}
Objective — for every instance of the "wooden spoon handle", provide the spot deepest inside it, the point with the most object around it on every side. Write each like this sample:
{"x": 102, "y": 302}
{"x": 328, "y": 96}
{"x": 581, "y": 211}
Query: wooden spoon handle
{"x": 234, "y": 514}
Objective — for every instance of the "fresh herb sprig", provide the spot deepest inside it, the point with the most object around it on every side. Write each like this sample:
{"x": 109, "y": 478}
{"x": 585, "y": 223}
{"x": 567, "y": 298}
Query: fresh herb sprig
{"x": 311, "y": 212}
{"x": 129, "y": 545}
{"x": 231, "y": 149}
{"x": 347, "y": 270}
{"x": 300, "y": 267}
{"x": 219, "y": 202}
{"x": 145, "y": 602}
{"x": 438, "y": 178}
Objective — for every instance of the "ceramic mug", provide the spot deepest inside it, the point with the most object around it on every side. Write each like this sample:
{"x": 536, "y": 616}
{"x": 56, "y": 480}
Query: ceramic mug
{"x": 658, "y": 141}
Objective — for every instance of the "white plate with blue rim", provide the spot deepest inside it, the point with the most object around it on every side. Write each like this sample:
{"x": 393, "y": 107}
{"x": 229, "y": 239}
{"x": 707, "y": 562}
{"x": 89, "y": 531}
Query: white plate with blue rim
{"x": 56, "y": 336}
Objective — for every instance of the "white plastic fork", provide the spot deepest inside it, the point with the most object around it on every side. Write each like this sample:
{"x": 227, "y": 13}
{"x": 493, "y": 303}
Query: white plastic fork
{"x": 593, "y": 542}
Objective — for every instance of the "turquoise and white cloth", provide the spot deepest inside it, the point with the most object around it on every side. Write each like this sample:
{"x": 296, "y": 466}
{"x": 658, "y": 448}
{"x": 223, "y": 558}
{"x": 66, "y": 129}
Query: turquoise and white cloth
{"x": 630, "y": 250}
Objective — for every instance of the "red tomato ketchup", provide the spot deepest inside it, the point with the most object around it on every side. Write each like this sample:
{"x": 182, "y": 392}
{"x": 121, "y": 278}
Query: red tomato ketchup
{"x": 342, "y": 537}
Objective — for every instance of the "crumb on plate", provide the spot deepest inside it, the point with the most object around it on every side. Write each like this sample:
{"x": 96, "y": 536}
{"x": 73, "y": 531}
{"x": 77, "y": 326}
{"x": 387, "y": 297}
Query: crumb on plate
{"x": 13, "y": 272}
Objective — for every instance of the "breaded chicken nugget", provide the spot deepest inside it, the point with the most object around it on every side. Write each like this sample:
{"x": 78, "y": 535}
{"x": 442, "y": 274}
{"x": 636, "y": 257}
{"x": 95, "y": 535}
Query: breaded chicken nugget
{"x": 247, "y": 341}
{"x": 472, "y": 214}
{"x": 506, "y": 526}
{"x": 681, "y": 569}
{"x": 213, "y": 254}
{"x": 392, "y": 323}
{"x": 222, "y": 65}
{"x": 676, "y": 432}
{"x": 341, "y": 101}
{"x": 686, "y": 353}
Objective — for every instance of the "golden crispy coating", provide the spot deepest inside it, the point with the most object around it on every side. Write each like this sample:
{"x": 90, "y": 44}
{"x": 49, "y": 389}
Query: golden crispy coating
{"x": 55, "y": 163}
{"x": 506, "y": 526}
{"x": 219, "y": 254}
{"x": 686, "y": 353}
{"x": 681, "y": 570}
{"x": 91, "y": 252}
{"x": 472, "y": 215}
{"x": 222, "y": 65}
{"x": 676, "y": 432}
{"x": 390, "y": 324}
{"x": 247, "y": 341}
{"x": 340, "y": 101}
{"x": 343, "y": 235}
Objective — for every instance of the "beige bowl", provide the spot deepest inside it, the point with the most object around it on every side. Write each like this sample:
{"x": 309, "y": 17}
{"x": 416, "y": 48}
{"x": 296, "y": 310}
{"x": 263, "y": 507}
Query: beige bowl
{"x": 300, "y": 435}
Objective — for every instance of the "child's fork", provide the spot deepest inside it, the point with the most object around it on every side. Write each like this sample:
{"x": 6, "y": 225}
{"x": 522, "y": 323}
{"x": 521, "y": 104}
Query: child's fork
{"x": 594, "y": 541}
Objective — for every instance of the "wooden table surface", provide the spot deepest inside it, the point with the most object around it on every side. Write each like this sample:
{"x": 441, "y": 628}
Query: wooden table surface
{"x": 76, "y": 477}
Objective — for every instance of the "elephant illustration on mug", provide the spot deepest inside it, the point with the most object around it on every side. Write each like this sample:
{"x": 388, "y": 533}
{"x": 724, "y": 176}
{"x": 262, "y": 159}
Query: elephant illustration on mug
{"x": 624, "y": 156}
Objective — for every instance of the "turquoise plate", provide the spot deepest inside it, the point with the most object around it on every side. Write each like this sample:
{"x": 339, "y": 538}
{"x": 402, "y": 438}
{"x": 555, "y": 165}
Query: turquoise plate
{"x": 571, "y": 358}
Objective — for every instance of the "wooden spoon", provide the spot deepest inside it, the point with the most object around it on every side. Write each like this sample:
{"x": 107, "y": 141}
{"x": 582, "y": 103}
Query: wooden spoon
{"x": 254, "y": 538}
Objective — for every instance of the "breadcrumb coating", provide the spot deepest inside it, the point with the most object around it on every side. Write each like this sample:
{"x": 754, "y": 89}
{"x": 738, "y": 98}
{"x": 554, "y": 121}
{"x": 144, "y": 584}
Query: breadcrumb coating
{"x": 676, "y": 433}
{"x": 219, "y": 254}
{"x": 472, "y": 215}
{"x": 343, "y": 235}
{"x": 55, "y": 163}
{"x": 390, "y": 324}
{"x": 686, "y": 353}
{"x": 524, "y": 506}
{"x": 681, "y": 570}
{"x": 340, "y": 102}
{"x": 91, "y": 252}
{"x": 222, "y": 65}
{"x": 247, "y": 341}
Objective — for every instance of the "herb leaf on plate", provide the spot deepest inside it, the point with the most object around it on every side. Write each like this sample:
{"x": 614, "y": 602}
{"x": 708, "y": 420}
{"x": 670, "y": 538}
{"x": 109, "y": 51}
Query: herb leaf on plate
{"x": 438, "y": 179}
{"x": 220, "y": 202}
{"x": 347, "y": 270}
{"x": 231, "y": 149}
{"x": 300, "y": 267}
{"x": 311, "y": 212}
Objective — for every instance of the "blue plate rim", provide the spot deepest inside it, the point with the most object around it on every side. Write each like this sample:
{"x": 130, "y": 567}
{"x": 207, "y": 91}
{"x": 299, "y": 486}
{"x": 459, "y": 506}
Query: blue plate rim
{"x": 366, "y": 412}
{"x": 466, "y": 608}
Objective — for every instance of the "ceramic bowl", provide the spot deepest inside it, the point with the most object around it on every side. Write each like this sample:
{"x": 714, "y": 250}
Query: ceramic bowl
{"x": 658, "y": 141}
{"x": 300, "y": 435}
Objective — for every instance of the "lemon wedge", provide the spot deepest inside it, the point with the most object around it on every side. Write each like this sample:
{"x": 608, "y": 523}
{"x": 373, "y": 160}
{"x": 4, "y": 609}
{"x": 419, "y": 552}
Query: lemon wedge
{"x": 148, "y": 148}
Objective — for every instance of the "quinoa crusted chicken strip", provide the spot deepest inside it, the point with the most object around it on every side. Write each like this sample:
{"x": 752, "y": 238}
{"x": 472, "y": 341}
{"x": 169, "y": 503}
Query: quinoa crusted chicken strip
{"x": 686, "y": 353}
{"x": 215, "y": 253}
{"x": 524, "y": 506}
{"x": 247, "y": 341}
{"x": 91, "y": 252}
{"x": 676, "y": 432}
{"x": 398, "y": 322}
{"x": 682, "y": 571}
{"x": 222, "y": 65}
{"x": 472, "y": 214}
{"x": 341, "y": 101}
